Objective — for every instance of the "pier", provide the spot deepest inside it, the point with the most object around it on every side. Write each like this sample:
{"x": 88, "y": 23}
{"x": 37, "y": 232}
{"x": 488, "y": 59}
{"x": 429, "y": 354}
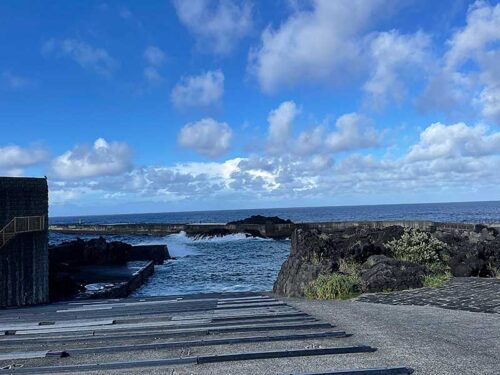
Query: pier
{"x": 269, "y": 230}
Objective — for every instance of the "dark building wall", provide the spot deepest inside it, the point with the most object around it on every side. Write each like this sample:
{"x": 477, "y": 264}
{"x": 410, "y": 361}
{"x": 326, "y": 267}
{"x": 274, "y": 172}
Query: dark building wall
{"x": 24, "y": 259}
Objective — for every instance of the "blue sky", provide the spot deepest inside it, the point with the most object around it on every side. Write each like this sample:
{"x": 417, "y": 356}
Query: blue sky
{"x": 193, "y": 105}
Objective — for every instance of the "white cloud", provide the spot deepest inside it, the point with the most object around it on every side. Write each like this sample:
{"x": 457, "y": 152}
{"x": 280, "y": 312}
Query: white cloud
{"x": 13, "y": 158}
{"x": 489, "y": 98}
{"x": 207, "y": 137}
{"x": 469, "y": 77}
{"x": 472, "y": 155}
{"x": 452, "y": 141}
{"x": 318, "y": 44}
{"x": 310, "y": 141}
{"x": 216, "y": 24}
{"x": 280, "y": 126}
{"x": 125, "y": 13}
{"x": 478, "y": 41}
{"x": 482, "y": 29}
{"x": 154, "y": 56}
{"x": 152, "y": 75}
{"x": 87, "y": 56}
{"x": 203, "y": 90}
{"x": 353, "y": 131}
{"x": 395, "y": 56}
{"x": 16, "y": 82}
{"x": 446, "y": 91}
{"x": 102, "y": 159}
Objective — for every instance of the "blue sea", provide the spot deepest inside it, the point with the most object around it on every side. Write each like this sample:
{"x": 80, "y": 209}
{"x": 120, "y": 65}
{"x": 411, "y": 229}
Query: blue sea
{"x": 238, "y": 263}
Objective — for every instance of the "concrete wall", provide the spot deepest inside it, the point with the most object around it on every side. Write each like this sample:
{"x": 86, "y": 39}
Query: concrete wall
{"x": 23, "y": 260}
{"x": 277, "y": 231}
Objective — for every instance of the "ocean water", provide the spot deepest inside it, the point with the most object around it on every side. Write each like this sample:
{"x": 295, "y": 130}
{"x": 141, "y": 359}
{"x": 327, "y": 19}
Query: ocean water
{"x": 240, "y": 263}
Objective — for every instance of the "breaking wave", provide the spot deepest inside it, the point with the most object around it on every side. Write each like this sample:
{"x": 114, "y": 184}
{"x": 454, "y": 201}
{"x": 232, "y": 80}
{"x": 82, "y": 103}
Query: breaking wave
{"x": 180, "y": 245}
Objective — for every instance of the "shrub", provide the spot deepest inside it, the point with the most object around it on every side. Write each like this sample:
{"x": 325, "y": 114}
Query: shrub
{"x": 324, "y": 237}
{"x": 494, "y": 271}
{"x": 350, "y": 267}
{"x": 334, "y": 286}
{"x": 436, "y": 281}
{"x": 419, "y": 247}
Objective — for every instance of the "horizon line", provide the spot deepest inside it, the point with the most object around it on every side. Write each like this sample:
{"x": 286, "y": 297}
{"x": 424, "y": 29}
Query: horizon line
{"x": 275, "y": 208}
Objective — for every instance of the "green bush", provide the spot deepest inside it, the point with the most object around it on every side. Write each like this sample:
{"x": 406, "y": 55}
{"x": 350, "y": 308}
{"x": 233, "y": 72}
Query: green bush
{"x": 436, "y": 281}
{"x": 419, "y": 247}
{"x": 334, "y": 286}
{"x": 350, "y": 267}
{"x": 494, "y": 271}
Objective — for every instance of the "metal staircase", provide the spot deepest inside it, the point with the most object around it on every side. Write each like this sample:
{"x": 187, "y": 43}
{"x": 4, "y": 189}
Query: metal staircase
{"x": 22, "y": 224}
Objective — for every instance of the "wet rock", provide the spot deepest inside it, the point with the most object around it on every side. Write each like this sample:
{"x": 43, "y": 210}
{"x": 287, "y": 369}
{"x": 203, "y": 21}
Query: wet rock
{"x": 73, "y": 258}
{"x": 95, "y": 251}
{"x": 381, "y": 273}
{"x": 157, "y": 253}
{"x": 62, "y": 284}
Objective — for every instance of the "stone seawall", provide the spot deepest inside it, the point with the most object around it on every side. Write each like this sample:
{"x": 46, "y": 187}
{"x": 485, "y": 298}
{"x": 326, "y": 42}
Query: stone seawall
{"x": 124, "y": 288}
{"x": 276, "y": 231}
{"x": 24, "y": 266}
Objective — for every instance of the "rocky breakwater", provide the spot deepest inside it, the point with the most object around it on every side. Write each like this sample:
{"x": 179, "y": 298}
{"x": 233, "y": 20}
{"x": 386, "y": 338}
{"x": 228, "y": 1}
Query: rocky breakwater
{"x": 100, "y": 269}
{"x": 345, "y": 262}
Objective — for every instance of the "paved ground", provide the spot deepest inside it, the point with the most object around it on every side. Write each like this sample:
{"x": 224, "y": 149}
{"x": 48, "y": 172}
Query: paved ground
{"x": 469, "y": 294}
{"x": 195, "y": 334}
{"x": 431, "y": 340}
{"x": 206, "y": 334}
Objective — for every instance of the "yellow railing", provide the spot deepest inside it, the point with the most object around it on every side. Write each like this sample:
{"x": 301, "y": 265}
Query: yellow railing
{"x": 21, "y": 224}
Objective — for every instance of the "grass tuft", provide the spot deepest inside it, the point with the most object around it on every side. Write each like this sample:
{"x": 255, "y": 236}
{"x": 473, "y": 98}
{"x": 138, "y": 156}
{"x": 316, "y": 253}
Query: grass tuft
{"x": 350, "y": 267}
{"x": 334, "y": 286}
{"x": 436, "y": 281}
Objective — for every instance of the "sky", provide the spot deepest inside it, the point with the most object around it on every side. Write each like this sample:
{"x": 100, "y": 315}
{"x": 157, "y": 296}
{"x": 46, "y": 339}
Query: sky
{"x": 178, "y": 105}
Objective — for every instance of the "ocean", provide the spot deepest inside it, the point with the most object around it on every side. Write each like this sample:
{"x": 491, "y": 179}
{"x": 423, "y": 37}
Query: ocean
{"x": 240, "y": 263}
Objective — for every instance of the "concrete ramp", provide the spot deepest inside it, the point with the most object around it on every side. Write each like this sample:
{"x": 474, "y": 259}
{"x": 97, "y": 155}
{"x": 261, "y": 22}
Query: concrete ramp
{"x": 234, "y": 333}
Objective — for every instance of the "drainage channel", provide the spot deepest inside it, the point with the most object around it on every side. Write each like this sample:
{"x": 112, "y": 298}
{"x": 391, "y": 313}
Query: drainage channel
{"x": 199, "y": 360}
{"x": 367, "y": 371}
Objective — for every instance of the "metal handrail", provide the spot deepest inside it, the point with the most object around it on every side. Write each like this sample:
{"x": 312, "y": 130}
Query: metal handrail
{"x": 21, "y": 224}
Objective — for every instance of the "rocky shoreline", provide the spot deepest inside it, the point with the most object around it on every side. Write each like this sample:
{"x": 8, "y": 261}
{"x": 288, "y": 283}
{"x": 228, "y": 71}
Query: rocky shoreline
{"x": 100, "y": 269}
{"x": 318, "y": 255}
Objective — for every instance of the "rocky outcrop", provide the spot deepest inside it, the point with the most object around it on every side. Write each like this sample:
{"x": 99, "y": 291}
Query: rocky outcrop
{"x": 472, "y": 253}
{"x": 261, "y": 220}
{"x": 381, "y": 273}
{"x": 96, "y": 251}
{"x": 314, "y": 253}
{"x": 157, "y": 253}
{"x": 69, "y": 263}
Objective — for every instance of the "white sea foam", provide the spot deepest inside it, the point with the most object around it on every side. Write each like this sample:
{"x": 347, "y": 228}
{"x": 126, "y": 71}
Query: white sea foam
{"x": 227, "y": 238}
{"x": 178, "y": 244}
{"x": 181, "y": 245}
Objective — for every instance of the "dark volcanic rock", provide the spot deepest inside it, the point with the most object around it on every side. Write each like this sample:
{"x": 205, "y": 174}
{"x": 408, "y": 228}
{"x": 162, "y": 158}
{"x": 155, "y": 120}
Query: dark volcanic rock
{"x": 471, "y": 251}
{"x": 313, "y": 253}
{"x": 475, "y": 253}
{"x": 62, "y": 284}
{"x": 381, "y": 273}
{"x": 69, "y": 260}
{"x": 262, "y": 220}
{"x": 96, "y": 251}
{"x": 157, "y": 253}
